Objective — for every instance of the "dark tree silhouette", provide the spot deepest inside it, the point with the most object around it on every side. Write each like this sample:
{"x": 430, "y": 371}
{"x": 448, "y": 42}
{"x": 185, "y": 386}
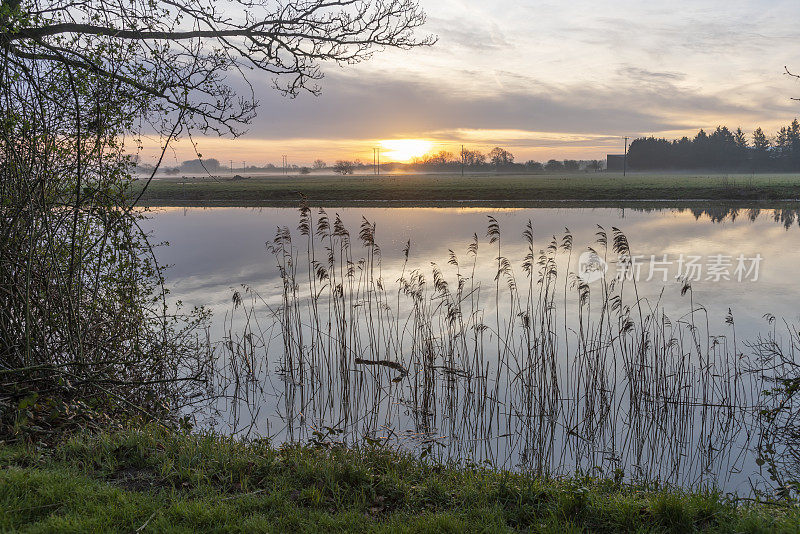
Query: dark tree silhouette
{"x": 533, "y": 165}
{"x": 761, "y": 146}
{"x": 501, "y": 157}
{"x": 474, "y": 158}
{"x": 721, "y": 150}
{"x": 571, "y": 165}
{"x": 184, "y": 55}
{"x": 554, "y": 165}
{"x": 344, "y": 167}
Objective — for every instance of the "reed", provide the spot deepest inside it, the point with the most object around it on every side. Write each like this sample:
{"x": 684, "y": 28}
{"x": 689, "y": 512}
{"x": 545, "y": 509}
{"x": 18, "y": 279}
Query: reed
{"x": 530, "y": 368}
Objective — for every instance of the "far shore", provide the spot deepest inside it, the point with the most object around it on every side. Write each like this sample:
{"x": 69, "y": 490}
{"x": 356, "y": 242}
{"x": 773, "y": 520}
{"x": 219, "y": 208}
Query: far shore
{"x": 477, "y": 190}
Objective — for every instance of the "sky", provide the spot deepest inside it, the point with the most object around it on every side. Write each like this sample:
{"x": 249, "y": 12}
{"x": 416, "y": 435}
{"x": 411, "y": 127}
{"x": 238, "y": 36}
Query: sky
{"x": 543, "y": 79}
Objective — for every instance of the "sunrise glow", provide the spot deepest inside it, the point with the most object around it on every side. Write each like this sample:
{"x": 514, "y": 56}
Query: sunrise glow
{"x": 404, "y": 150}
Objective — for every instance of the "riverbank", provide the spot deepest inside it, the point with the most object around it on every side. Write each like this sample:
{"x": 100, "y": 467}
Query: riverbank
{"x": 156, "y": 481}
{"x": 512, "y": 190}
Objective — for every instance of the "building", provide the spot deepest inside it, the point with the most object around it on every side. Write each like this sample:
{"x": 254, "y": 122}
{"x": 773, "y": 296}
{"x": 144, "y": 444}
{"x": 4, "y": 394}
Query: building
{"x": 615, "y": 162}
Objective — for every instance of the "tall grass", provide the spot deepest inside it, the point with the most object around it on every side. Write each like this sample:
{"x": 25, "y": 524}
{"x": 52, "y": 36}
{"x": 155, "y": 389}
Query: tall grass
{"x": 533, "y": 370}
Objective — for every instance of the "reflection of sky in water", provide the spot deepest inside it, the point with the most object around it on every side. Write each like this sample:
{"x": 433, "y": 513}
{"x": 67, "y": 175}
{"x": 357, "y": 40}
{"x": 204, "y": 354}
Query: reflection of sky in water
{"x": 215, "y": 249}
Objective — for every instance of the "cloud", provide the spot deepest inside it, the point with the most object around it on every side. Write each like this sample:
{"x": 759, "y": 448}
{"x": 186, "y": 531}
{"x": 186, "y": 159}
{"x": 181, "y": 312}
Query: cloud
{"x": 379, "y": 107}
{"x": 555, "y": 74}
{"x": 640, "y": 74}
{"x": 471, "y": 35}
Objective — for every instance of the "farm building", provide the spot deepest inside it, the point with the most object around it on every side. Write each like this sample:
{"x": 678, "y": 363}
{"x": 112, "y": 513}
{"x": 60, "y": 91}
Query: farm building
{"x": 615, "y": 162}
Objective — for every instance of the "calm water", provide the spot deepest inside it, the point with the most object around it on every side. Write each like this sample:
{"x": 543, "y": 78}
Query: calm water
{"x": 496, "y": 400}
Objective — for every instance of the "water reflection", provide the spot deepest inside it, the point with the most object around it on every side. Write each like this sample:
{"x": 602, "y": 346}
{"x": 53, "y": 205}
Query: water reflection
{"x": 437, "y": 351}
{"x": 786, "y": 217}
{"x": 213, "y": 250}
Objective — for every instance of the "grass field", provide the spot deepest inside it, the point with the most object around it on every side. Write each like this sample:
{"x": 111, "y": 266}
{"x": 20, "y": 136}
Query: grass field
{"x": 154, "y": 481}
{"x": 485, "y": 188}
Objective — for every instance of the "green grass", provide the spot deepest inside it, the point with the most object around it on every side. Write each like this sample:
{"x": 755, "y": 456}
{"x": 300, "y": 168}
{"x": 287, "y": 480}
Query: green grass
{"x": 454, "y": 189}
{"x": 155, "y": 481}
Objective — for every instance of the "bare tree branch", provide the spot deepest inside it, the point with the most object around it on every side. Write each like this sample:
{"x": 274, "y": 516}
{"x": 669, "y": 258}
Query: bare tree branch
{"x": 184, "y": 54}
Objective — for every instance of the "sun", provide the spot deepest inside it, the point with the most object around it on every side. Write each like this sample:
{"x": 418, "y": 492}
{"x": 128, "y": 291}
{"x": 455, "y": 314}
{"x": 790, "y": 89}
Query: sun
{"x": 404, "y": 150}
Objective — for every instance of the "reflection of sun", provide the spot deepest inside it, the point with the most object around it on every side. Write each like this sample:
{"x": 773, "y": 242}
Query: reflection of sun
{"x": 404, "y": 150}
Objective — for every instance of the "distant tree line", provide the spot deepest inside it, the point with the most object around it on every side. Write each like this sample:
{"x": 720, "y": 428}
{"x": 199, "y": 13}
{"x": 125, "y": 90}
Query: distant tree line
{"x": 722, "y": 150}
{"x": 213, "y": 166}
{"x": 498, "y": 159}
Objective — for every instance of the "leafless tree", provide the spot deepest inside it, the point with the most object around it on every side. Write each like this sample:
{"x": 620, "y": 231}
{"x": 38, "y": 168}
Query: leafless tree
{"x": 501, "y": 157}
{"x": 474, "y": 158}
{"x": 344, "y": 167}
{"x": 188, "y": 56}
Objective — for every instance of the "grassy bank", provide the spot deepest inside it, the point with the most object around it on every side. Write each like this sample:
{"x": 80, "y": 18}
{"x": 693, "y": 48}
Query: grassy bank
{"x": 152, "y": 481}
{"x": 454, "y": 189}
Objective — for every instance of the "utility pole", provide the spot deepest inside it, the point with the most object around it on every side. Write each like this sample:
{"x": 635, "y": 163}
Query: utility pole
{"x": 231, "y": 167}
{"x": 625, "y": 159}
{"x": 463, "y": 158}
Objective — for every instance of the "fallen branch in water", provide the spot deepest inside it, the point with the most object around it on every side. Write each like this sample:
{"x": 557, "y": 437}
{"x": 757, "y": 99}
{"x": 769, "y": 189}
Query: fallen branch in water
{"x": 386, "y": 363}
